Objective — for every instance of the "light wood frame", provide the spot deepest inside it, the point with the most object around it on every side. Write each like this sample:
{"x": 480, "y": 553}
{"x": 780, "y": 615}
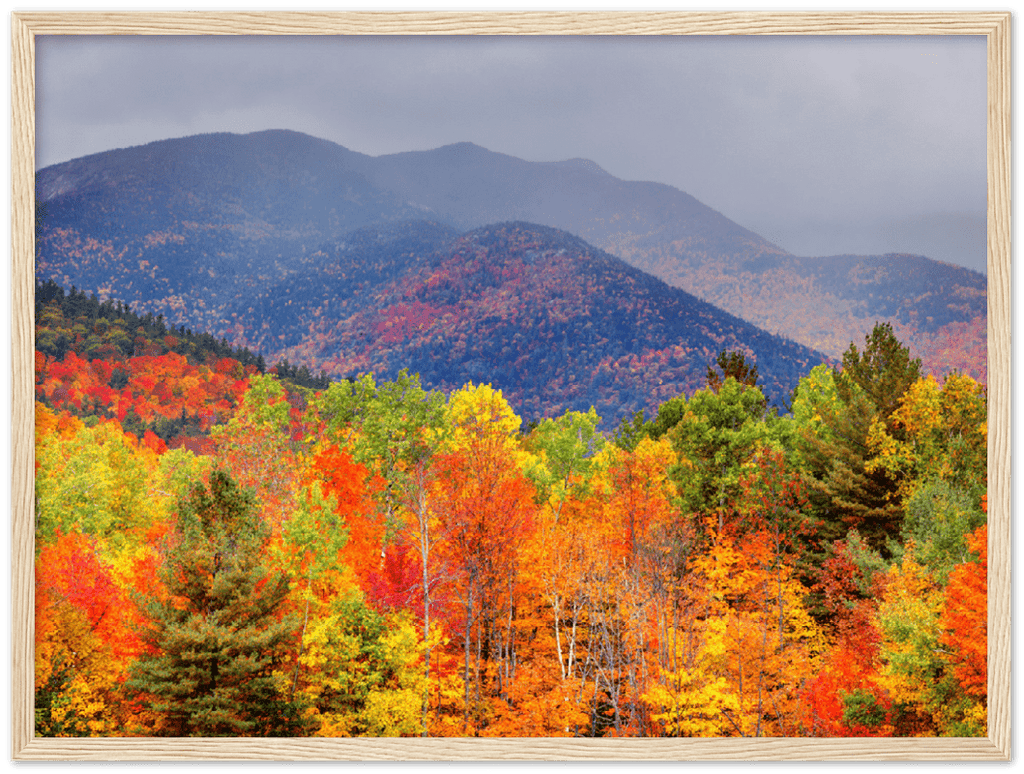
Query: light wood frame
{"x": 995, "y": 26}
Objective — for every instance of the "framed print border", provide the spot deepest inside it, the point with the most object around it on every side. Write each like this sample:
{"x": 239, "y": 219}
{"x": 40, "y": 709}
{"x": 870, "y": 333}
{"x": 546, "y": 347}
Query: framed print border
{"x": 995, "y": 26}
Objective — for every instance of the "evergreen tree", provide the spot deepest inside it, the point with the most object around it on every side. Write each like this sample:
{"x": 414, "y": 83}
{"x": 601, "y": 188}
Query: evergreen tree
{"x": 216, "y": 638}
{"x": 883, "y": 371}
{"x": 732, "y": 364}
{"x": 845, "y": 493}
{"x": 631, "y": 430}
{"x": 846, "y": 490}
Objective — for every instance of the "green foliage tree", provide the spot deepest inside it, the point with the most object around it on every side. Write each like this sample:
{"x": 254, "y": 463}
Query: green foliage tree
{"x": 939, "y": 520}
{"x": 567, "y": 446}
{"x": 216, "y": 639}
{"x": 815, "y": 403}
{"x": 883, "y": 371}
{"x": 834, "y": 420}
{"x": 670, "y": 413}
{"x": 716, "y": 438}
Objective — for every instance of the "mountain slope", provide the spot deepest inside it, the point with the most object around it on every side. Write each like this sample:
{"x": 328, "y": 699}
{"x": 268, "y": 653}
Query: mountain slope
{"x": 142, "y": 223}
{"x": 552, "y": 321}
{"x": 334, "y": 282}
{"x": 472, "y": 186}
{"x": 193, "y": 228}
{"x": 183, "y": 227}
{"x": 823, "y": 302}
{"x": 939, "y": 310}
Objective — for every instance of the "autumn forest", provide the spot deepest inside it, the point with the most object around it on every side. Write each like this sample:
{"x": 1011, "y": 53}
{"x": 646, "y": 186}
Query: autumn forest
{"x": 450, "y": 443}
{"x": 232, "y": 547}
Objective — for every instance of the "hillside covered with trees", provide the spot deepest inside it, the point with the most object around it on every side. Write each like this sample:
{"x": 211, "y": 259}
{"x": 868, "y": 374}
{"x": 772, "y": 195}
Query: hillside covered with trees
{"x": 368, "y": 557}
{"x": 197, "y": 229}
{"x": 556, "y": 323}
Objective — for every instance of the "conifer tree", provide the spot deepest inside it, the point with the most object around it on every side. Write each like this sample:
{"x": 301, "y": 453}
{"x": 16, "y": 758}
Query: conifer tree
{"x": 883, "y": 371}
{"x": 849, "y": 492}
{"x": 215, "y": 638}
{"x": 732, "y": 364}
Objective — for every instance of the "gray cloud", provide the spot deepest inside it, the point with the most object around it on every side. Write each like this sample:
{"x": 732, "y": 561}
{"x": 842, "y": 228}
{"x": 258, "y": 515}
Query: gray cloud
{"x": 824, "y": 145}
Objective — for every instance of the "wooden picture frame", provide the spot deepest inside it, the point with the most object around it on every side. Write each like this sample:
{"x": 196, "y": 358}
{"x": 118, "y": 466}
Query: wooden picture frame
{"x": 996, "y": 28}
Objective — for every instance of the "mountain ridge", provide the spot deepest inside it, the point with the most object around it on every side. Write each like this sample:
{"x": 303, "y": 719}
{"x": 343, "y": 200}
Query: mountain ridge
{"x": 243, "y": 211}
{"x": 556, "y": 323}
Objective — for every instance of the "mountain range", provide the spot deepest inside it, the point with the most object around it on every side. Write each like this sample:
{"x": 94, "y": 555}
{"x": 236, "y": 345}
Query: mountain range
{"x": 304, "y": 249}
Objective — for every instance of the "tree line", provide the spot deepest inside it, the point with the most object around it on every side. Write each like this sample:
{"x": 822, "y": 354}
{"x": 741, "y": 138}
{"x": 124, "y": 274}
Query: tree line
{"x": 375, "y": 558}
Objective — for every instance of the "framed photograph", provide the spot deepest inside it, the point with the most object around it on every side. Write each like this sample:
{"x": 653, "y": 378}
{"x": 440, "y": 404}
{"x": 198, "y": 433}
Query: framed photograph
{"x": 27, "y": 28}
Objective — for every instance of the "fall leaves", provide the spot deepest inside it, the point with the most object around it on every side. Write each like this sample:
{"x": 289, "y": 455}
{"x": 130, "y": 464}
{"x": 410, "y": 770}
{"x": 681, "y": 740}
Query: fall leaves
{"x": 378, "y": 559}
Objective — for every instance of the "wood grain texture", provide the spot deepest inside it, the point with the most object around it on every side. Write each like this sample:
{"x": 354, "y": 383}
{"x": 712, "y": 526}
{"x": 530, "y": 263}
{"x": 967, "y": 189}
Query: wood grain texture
{"x": 999, "y": 395}
{"x": 520, "y": 23}
{"x": 534, "y": 749}
{"x": 23, "y": 368}
{"x": 996, "y": 26}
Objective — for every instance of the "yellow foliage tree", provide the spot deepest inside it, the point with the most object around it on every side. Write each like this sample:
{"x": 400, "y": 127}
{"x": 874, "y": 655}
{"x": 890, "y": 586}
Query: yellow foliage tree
{"x": 940, "y": 433}
{"x": 909, "y": 621}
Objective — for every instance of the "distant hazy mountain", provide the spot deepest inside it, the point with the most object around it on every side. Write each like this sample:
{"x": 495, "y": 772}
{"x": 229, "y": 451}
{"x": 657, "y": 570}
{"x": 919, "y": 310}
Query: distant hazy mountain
{"x": 940, "y": 310}
{"x": 823, "y": 302}
{"x": 471, "y": 186}
{"x": 188, "y": 228}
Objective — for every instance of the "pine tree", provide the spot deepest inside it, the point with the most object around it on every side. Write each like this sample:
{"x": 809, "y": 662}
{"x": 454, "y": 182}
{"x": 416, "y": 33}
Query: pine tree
{"x": 732, "y": 364}
{"x": 845, "y": 492}
{"x": 883, "y": 371}
{"x": 849, "y": 492}
{"x": 216, "y": 637}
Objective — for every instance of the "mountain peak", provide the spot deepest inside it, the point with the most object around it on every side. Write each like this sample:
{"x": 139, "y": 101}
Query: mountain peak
{"x": 584, "y": 164}
{"x": 464, "y": 147}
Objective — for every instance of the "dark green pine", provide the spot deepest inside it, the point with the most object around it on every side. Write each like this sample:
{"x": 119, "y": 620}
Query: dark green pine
{"x": 211, "y": 670}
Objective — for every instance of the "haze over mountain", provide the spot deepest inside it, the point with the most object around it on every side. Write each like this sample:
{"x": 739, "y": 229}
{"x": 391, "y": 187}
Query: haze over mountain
{"x": 197, "y": 229}
{"x": 823, "y": 302}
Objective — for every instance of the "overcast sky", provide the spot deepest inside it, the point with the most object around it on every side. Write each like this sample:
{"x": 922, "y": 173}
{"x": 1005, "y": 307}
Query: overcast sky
{"x": 821, "y": 145}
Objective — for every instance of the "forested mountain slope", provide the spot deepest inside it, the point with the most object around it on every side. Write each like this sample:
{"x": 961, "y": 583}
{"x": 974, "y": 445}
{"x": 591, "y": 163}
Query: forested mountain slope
{"x": 556, "y": 323}
{"x": 822, "y": 302}
{"x": 197, "y": 228}
{"x": 940, "y": 310}
{"x": 185, "y": 227}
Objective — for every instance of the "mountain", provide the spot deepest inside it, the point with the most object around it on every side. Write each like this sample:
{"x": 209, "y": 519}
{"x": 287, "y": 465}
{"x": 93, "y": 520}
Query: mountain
{"x": 938, "y": 309}
{"x": 332, "y": 283}
{"x": 233, "y": 207}
{"x": 822, "y": 302}
{"x": 181, "y": 227}
{"x": 556, "y": 323}
{"x": 188, "y": 227}
{"x": 471, "y": 186}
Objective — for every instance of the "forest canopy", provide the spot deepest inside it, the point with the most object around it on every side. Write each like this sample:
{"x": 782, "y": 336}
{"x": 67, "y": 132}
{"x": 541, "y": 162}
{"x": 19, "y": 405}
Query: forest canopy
{"x": 229, "y": 549}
